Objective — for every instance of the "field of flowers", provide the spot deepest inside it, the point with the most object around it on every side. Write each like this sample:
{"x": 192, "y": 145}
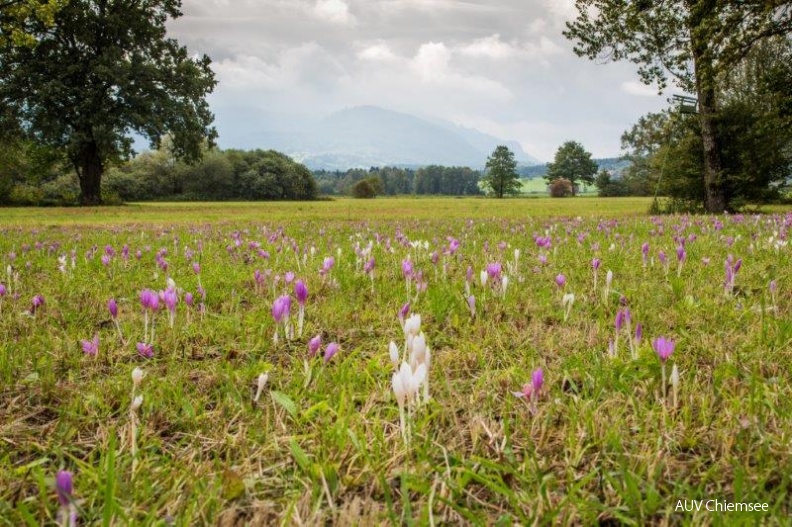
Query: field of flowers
{"x": 267, "y": 365}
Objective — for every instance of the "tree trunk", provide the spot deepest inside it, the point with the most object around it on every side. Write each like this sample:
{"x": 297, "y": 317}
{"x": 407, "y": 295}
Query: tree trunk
{"x": 90, "y": 173}
{"x": 714, "y": 194}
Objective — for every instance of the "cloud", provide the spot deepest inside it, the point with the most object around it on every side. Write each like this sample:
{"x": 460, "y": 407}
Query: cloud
{"x": 377, "y": 52}
{"x": 334, "y": 11}
{"x": 502, "y": 66}
{"x": 638, "y": 88}
{"x": 491, "y": 47}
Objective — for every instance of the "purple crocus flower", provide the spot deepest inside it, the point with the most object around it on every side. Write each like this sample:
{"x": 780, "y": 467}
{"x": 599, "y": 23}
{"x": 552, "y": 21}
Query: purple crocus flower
{"x": 91, "y": 347}
{"x": 314, "y": 345}
{"x": 63, "y": 486}
{"x": 471, "y": 300}
{"x": 170, "y": 299}
{"x": 663, "y": 347}
{"x": 638, "y": 333}
{"x": 595, "y": 263}
{"x": 37, "y": 302}
{"x": 330, "y": 350}
{"x": 369, "y": 267}
{"x": 145, "y": 350}
{"x": 662, "y": 257}
{"x": 196, "y": 268}
{"x": 113, "y": 308}
{"x": 537, "y": 380}
{"x": 189, "y": 299}
{"x": 619, "y": 320}
{"x": 407, "y": 268}
{"x": 403, "y": 312}
{"x": 494, "y": 271}
{"x": 278, "y": 309}
{"x": 288, "y": 277}
{"x": 2, "y": 290}
{"x": 149, "y": 299}
{"x": 301, "y": 292}
{"x": 681, "y": 254}
{"x": 327, "y": 264}
{"x": 560, "y": 280}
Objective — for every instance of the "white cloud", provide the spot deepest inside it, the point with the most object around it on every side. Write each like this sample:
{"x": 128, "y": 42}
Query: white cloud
{"x": 490, "y": 47}
{"x": 378, "y": 52}
{"x": 335, "y": 11}
{"x": 639, "y": 88}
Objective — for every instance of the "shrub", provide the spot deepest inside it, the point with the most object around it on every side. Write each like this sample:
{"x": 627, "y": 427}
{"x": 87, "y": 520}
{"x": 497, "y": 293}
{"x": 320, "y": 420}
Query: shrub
{"x": 364, "y": 189}
{"x": 560, "y": 188}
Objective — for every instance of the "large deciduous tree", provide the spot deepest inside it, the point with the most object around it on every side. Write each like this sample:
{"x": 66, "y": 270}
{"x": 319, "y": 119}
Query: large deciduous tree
{"x": 102, "y": 70}
{"x": 501, "y": 173}
{"x": 17, "y": 17}
{"x": 574, "y": 163}
{"x": 691, "y": 41}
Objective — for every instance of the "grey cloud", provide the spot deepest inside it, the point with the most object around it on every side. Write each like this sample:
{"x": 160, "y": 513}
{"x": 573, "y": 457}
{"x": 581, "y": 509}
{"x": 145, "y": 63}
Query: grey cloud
{"x": 501, "y": 66}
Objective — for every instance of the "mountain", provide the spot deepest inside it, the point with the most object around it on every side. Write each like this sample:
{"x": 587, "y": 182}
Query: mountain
{"x": 367, "y": 136}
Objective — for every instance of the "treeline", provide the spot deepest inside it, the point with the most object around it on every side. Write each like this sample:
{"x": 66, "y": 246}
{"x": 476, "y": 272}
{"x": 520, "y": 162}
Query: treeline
{"x": 393, "y": 181}
{"x": 222, "y": 175}
{"x": 31, "y": 175}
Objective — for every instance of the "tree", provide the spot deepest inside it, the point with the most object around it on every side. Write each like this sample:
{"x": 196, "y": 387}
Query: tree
{"x": 103, "y": 69}
{"x": 501, "y": 173}
{"x": 572, "y": 162}
{"x": 755, "y": 123}
{"x": 16, "y": 17}
{"x": 692, "y": 41}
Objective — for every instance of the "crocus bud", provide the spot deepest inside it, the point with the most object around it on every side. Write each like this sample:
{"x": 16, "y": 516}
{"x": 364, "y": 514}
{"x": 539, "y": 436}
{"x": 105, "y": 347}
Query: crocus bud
{"x": 663, "y": 347}
{"x": 393, "y": 351}
{"x": 113, "y": 308}
{"x": 63, "y": 486}
{"x": 137, "y": 377}
{"x": 675, "y": 377}
{"x": 137, "y": 402}
{"x": 560, "y": 280}
{"x": 412, "y": 326}
{"x": 314, "y": 344}
{"x": 262, "y": 381}
{"x": 330, "y": 350}
{"x": 301, "y": 292}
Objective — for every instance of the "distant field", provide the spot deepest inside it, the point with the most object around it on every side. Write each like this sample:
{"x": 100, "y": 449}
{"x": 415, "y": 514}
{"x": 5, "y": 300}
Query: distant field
{"x": 337, "y": 209}
{"x": 539, "y": 186}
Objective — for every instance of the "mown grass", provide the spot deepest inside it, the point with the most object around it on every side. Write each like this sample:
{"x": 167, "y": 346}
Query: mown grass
{"x": 342, "y": 209}
{"x": 323, "y": 445}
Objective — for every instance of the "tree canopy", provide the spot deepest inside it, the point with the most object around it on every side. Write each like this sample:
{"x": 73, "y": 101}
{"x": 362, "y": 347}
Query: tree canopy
{"x": 501, "y": 176}
{"x": 690, "y": 41}
{"x": 573, "y": 163}
{"x": 17, "y": 17}
{"x": 100, "y": 71}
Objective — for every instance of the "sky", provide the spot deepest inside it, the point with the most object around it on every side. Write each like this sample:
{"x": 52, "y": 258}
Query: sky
{"x": 502, "y": 67}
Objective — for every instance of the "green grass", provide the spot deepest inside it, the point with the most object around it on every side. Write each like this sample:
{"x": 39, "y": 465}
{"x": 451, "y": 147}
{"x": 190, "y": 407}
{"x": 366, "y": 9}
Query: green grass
{"x": 321, "y": 211}
{"x": 322, "y": 445}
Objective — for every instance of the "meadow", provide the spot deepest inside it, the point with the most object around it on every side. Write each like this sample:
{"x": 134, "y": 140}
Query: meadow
{"x": 460, "y": 362}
